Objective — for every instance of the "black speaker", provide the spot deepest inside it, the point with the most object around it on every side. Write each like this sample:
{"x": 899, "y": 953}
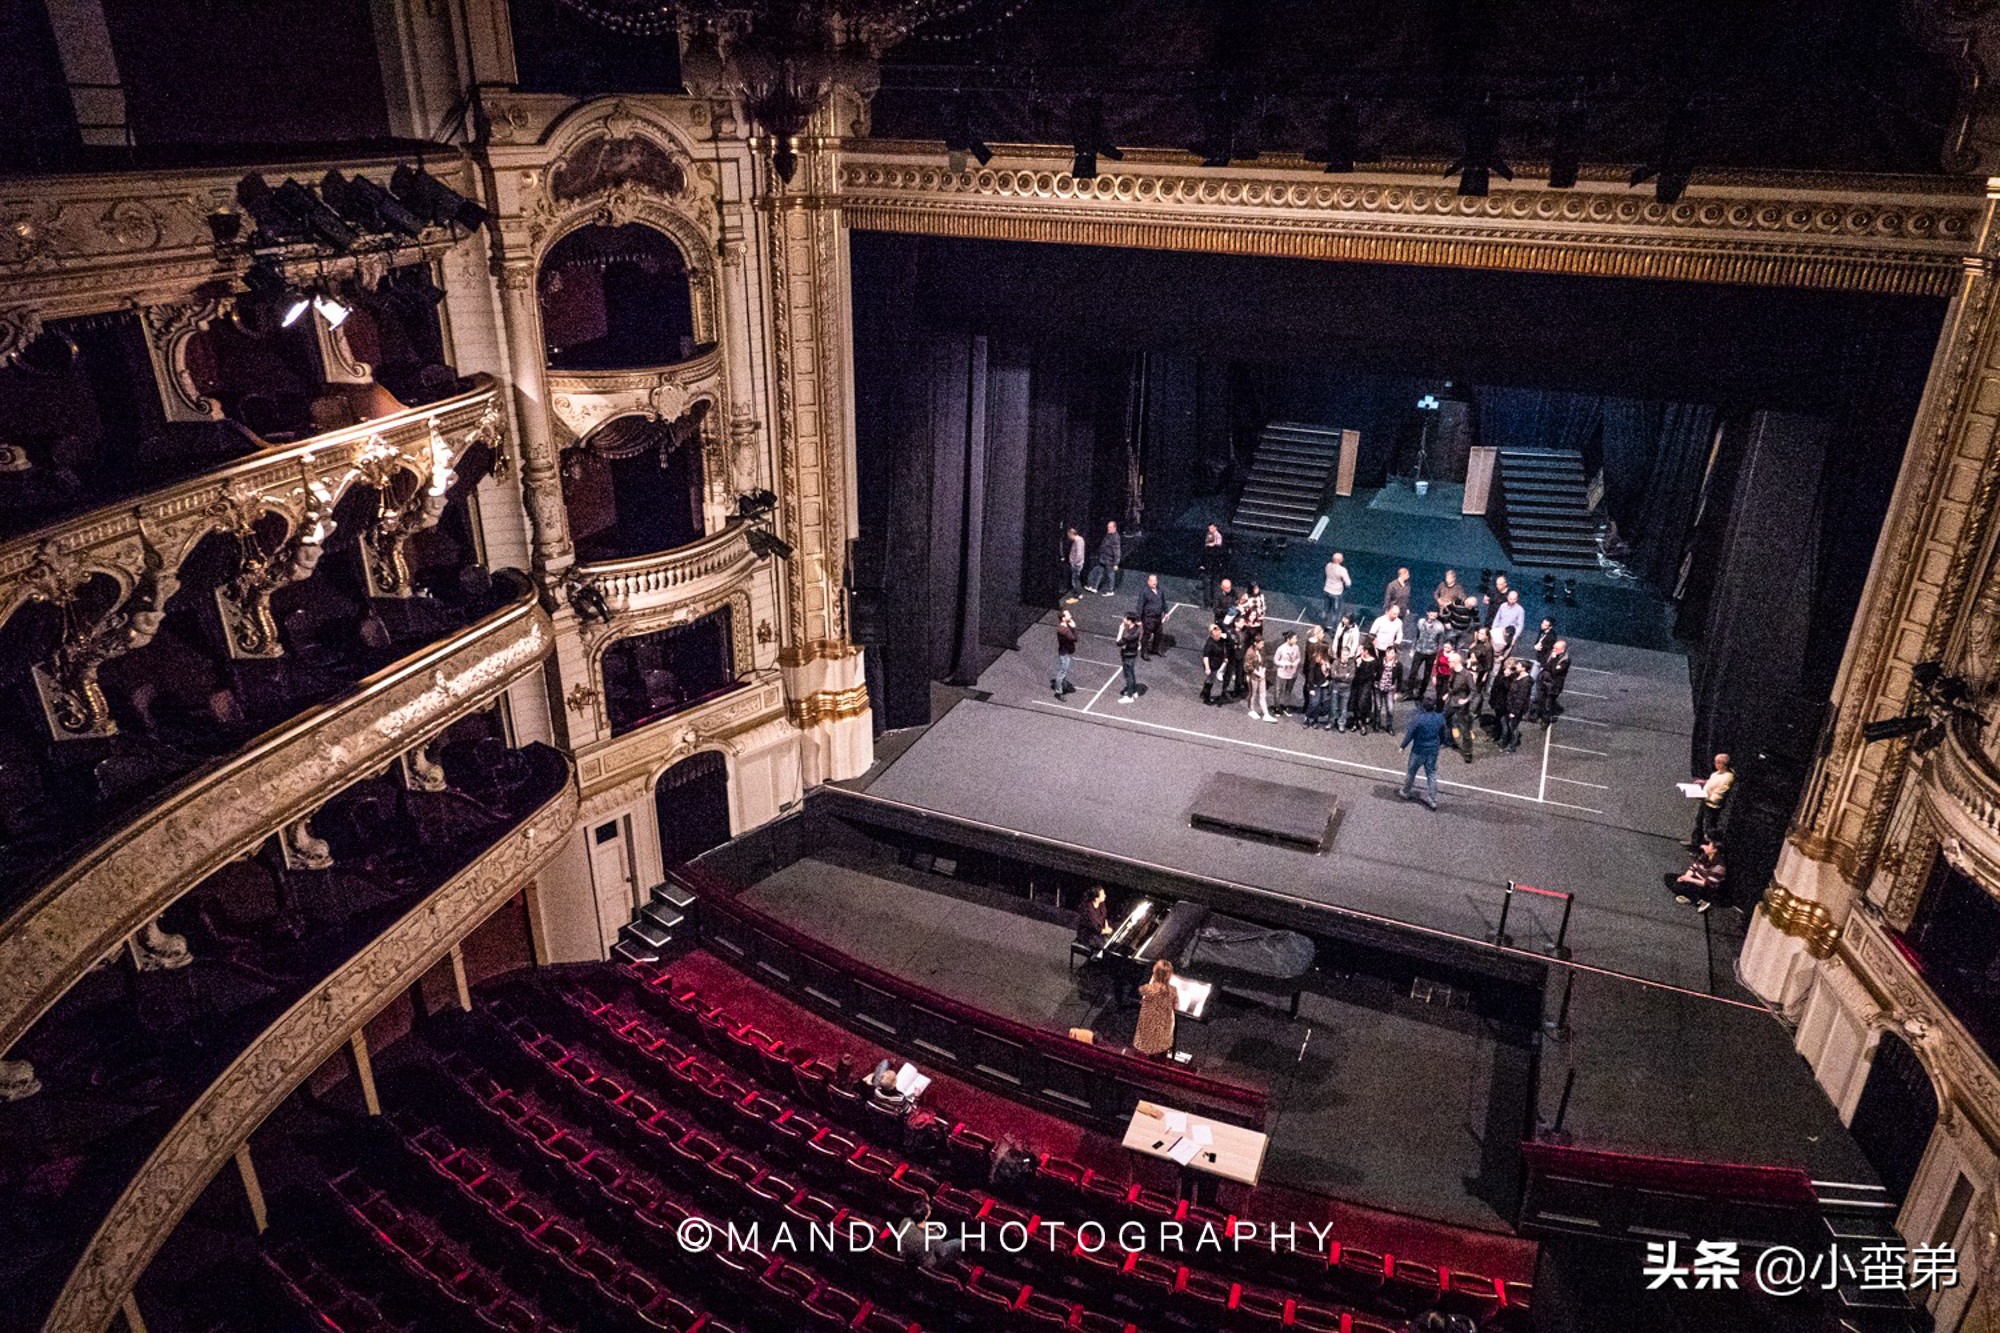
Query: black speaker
{"x": 867, "y": 617}
{"x": 866, "y": 564}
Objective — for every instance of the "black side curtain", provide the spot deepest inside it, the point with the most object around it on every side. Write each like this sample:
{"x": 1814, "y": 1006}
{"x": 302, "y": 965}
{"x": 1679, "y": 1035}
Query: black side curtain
{"x": 1655, "y": 456}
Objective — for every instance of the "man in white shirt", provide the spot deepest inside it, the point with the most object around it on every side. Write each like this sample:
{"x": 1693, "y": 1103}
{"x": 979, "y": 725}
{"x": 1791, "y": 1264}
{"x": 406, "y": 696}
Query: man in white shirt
{"x": 1387, "y": 631}
{"x": 1337, "y": 581}
{"x": 1508, "y": 621}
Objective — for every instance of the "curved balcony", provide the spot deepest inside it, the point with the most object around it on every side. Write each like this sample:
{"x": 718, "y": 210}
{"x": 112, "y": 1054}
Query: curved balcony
{"x": 1963, "y": 792}
{"x": 320, "y": 1017}
{"x": 583, "y": 400}
{"x": 230, "y": 806}
{"x": 647, "y": 581}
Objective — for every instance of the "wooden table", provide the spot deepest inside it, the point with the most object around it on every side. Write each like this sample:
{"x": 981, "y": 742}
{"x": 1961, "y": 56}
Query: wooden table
{"x": 1235, "y": 1154}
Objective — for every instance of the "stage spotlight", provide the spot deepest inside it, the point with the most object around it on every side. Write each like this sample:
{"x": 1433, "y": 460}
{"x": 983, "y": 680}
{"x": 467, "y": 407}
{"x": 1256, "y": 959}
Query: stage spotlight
{"x": 764, "y": 543}
{"x": 270, "y": 287}
{"x": 1480, "y": 160}
{"x": 331, "y": 309}
{"x": 1343, "y": 138}
{"x": 318, "y": 221}
{"x": 753, "y": 504}
{"x": 1894, "y": 728}
{"x": 959, "y": 140}
{"x": 276, "y": 224}
{"x": 368, "y": 206}
{"x": 435, "y": 202}
{"x": 1087, "y": 138}
{"x": 589, "y": 603}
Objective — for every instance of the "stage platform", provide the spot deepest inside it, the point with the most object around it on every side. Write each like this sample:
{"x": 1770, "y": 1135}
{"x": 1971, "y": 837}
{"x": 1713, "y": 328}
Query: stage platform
{"x": 1586, "y": 806}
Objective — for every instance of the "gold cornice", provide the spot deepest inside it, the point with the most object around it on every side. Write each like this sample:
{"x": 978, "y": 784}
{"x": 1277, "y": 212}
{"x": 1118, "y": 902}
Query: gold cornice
{"x": 1871, "y": 234}
{"x": 828, "y": 706}
{"x": 816, "y": 650}
{"x": 1800, "y": 918}
{"x": 285, "y": 1054}
{"x": 227, "y": 809}
{"x": 642, "y": 754}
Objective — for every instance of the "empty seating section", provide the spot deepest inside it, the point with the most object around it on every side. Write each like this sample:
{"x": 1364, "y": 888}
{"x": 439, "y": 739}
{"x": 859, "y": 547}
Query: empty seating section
{"x": 606, "y": 1149}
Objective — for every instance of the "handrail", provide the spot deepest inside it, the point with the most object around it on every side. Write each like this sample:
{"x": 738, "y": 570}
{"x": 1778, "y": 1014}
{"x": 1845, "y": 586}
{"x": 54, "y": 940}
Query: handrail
{"x": 279, "y": 500}
{"x": 1250, "y": 1102}
{"x": 228, "y": 807}
{"x": 633, "y": 582}
{"x": 287, "y": 1052}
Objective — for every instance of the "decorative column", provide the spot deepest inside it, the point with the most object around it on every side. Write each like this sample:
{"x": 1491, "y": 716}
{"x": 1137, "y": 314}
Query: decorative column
{"x": 1938, "y": 530}
{"x": 541, "y": 483}
{"x": 826, "y": 693}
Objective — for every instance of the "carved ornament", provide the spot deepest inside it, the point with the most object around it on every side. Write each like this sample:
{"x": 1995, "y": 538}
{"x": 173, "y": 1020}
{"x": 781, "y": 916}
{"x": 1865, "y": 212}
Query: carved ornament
{"x": 136, "y": 873}
{"x": 286, "y": 1053}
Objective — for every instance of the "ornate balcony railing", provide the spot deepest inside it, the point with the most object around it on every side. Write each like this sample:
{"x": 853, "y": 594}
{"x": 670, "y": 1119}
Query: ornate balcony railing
{"x": 113, "y": 570}
{"x": 585, "y": 399}
{"x": 287, "y": 1052}
{"x": 229, "y": 807}
{"x": 1964, "y": 795}
{"x": 645, "y": 581}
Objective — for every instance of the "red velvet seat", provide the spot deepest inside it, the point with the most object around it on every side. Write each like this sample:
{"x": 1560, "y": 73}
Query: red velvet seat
{"x": 1319, "y": 1319}
{"x": 969, "y": 1154}
{"x": 1411, "y": 1287}
{"x": 1259, "y": 1310}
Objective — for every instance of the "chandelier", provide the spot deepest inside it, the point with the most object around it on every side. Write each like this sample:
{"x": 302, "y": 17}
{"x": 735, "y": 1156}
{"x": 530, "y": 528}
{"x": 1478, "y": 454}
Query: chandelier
{"x": 783, "y": 58}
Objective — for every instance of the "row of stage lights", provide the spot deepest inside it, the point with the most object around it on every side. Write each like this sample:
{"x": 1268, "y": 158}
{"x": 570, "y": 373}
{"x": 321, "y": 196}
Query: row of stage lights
{"x": 1478, "y": 162}
{"x": 344, "y": 214}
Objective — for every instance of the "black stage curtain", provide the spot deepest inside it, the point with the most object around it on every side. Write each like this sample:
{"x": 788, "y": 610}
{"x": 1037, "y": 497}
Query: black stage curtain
{"x": 1537, "y": 419}
{"x": 1655, "y": 456}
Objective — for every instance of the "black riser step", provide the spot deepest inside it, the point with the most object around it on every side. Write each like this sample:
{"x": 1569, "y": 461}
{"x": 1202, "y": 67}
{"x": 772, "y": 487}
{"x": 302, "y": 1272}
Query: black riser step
{"x": 1281, "y": 490}
{"x": 661, "y": 915}
{"x": 634, "y": 953}
{"x": 1317, "y": 467}
{"x": 647, "y": 932}
{"x": 1288, "y": 504}
{"x": 1289, "y": 527}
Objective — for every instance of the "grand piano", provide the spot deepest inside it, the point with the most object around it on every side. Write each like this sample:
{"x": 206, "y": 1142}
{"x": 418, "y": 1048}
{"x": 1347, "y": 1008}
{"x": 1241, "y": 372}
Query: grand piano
{"x": 1239, "y": 957}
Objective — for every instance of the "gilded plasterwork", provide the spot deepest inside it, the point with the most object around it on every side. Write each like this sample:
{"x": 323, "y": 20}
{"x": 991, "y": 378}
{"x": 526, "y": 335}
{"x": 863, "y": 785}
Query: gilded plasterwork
{"x": 163, "y": 1189}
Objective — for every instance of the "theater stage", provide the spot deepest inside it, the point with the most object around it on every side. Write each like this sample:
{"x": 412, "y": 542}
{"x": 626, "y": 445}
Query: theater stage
{"x": 1586, "y": 806}
{"x": 1389, "y": 1103}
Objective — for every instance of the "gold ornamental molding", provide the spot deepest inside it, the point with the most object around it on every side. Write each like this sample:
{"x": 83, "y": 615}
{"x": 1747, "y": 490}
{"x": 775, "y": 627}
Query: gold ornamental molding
{"x": 1861, "y": 233}
{"x": 278, "y": 503}
{"x": 76, "y": 244}
{"x": 1962, "y": 792}
{"x": 817, "y": 650}
{"x": 1967, "y": 1078}
{"x": 583, "y": 400}
{"x": 828, "y": 706}
{"x": 227, "y": 809}
{"x": 640, "y": 756}
{"x": 1800, "y": 918}
{"x": 285, "y": 1054}
{"x": 648, "y": 582}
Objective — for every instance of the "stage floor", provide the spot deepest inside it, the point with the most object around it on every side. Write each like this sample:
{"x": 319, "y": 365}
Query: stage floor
{"x": 1586, "y": 806}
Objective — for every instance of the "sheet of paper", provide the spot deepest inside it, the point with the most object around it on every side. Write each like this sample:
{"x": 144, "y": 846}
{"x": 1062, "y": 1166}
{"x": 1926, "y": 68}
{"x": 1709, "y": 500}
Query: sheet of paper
{"x": 1183, "y": 1151}
{"x": 1202, "y": 1135}
{"x": 1177, "y": 1121}
{"x": 909, "y": 1082}
{"x": 1690, "y": 788}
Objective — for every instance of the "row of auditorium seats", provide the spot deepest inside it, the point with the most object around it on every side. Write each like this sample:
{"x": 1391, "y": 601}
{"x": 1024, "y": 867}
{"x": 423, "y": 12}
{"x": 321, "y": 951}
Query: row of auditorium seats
{"x": 768, "y": 1120}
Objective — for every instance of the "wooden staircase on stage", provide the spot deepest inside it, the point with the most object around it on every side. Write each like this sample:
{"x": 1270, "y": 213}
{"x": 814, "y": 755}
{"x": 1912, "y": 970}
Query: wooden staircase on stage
{"x": 1286, "y": 490}
{"x": 1541, "y": 509}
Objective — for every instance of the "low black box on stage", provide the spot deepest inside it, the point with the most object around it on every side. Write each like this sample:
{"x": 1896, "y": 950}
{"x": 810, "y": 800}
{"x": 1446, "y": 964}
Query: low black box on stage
{"x": 1267, "y": 811}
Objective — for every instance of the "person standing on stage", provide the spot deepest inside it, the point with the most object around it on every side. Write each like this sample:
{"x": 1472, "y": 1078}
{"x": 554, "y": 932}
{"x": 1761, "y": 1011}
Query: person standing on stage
{"x": 1214, "y": 665}
{"x": 1424, "y": 647}
{"x": 1234, "y": 686}
{"x": 1154, "y": 1035}
{"x": 1461, "y": 710}
{"x": 1508, "y": 623}
{"x": 1361, "y": 697}
{"x": 1396, "y": 593}
{"x": 1460, "y": 616}
{"x": 1385, "y": 690}
{"x": 1214, "y": 557}
{"x": 1340, "y": 673}
{"x": 1491, "y": 602}
{"x": 1318, "y": 672}
{"x": 1549, "y": 685}
{"x": 1152, "y": 611}
{"x": 1073, "y": 558}
{"x": 1286, "y": 660}
{"x": 1254, "y": 609}
{"x": 1520, "y": 687}
{"x": 1338, "y": 580}
{"x": 1447, "y": 593}
{"x": 1254, "y": 672}
{"x": 1423, "y": 739}
{"x": 1065, "y": 654}
{"x": 1479, "y": 661}
{"x": 1129, "y": 635}
{"x": 1224, "y": 600}
{"x": 1545, "y": 642}
{"x": 1110, "y": 555}
{"x": 1713, "y": 803}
